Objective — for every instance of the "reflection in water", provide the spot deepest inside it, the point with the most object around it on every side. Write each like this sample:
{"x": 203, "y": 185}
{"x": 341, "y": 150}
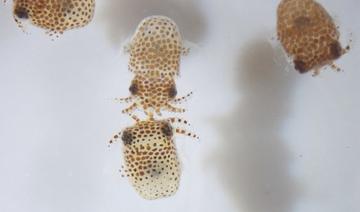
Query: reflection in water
{"x": 253, "y": 157}
{"x": 122, "y": 17}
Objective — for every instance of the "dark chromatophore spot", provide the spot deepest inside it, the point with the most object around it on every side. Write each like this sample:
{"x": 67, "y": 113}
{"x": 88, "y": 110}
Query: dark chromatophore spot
{"x": 126, "y": 137}
{"x": 21, "y": 13}
{"x": 336, "y": 50}
{"x": 167, "y": 130}
{"x": 300, "y": 66}
{"x": 133, "y": 89}
{"x": 172, "y": 91}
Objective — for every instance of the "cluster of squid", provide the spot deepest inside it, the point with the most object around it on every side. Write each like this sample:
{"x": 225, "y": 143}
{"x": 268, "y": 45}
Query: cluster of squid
{"x": 305, "y": 30}
{"x": 150, "y": 158}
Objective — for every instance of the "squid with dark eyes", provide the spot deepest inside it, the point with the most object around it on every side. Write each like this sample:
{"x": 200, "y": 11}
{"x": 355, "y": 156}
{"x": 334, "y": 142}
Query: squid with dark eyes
{"x": 153, "y": 94}
{"x": 309, "y": 35}
{"x": 55, "y": 16}
{"x": 150, "y": 158}
{"x": 151, "y": 162}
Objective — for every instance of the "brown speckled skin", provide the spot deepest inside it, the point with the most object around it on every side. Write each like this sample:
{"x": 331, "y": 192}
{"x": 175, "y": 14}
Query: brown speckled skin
{"x": 156, "y": 47}
{"x": 56, "y": 16}
{"x": 151, "y": 161}
{"x": 308, "y": 34}
{"x": 150, "y": 158}
{"x": 152, "y": 94}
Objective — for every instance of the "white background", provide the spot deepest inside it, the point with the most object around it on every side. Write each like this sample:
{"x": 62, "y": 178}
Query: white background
{"x": 272, "y": 140}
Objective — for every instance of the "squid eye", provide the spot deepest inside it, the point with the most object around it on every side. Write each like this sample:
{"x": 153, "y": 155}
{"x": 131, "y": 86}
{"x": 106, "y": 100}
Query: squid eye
{"x": 336, "y": 50}
{"x": 300, "y": 66}
{"x": 127, "y": 137}
{"x": 167, "y": 130}
{"x": 172, "y": 91}
{"x": 133, "y": 89}
{"x": 21, "y": 13}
